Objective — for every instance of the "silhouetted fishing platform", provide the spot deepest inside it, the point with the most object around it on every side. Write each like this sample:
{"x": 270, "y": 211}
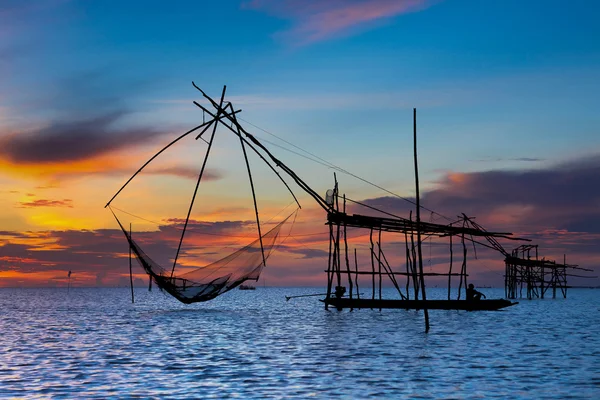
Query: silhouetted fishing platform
{"x": 410, "y": 233}
{"x": 203, "y": 283}
{"x": 525, "y": 270}
{"x": 479, "y": 305}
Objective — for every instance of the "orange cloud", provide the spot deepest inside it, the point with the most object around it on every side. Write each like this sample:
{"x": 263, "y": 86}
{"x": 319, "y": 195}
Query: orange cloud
{"x": 34, "y": 278}
{"x": 47, "y": 203}
{"x": 94, "y": 165}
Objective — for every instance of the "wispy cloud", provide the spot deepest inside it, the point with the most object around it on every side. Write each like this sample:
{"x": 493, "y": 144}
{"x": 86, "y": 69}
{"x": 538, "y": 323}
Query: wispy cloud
{"x": 71, "y": 141}
{"x": 391, "y": 100}
{"x": 188, "y": 172}
{"x": 81, "y": 126}
{"x": 317, "y": 20}
{"x": 556, "y": 207}
{"x": 502, "y": 159}
{"x": 46, "y": 203}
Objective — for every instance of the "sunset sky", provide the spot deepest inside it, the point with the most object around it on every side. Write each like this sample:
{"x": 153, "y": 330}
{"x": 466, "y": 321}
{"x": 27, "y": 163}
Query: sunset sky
{"x": 507, "y": 94}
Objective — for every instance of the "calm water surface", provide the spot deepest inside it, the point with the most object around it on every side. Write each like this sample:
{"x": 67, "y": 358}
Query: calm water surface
{"x": 93, "y": 343}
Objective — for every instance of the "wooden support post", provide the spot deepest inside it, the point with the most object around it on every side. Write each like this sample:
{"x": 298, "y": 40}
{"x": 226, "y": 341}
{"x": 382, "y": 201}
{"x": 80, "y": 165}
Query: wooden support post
{"x": 379, "y": 259}
{"x": 356, "y": 279}
{"x": 130, "y": 267}
{"x": 565, "y": 275}
{"x": 338, "y": 233}
{"x": 463, "y": 267}
{"x": 372, "y": 265}
{"x": 329, "y": 265}
{"x": 543, "y": 277}
{"x": 407, "y": 266}
{"x": 450, "y": 269}
{"x": 391, "y": 274}
{"x": 413, "y": 264}
{"x": 346, "y": 254}
{"x": 419, "y": 222}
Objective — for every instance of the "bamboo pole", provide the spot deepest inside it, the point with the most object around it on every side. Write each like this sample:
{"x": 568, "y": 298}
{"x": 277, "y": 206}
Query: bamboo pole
{"x": 407, "y": 266}
{"x": 338, "y": 233}
{"x": 463, "y": 267}
{"x": 450, "y": 269}
{"x": 391, "y": 274}
{"x": 356, "y": 278}
{"x": 130, "y": 267}
{"x": 346, "y": 254}
{"x": 372, "y": 265}
{"x": 329, "y": 265}
{"x": 565, "y": 275}
{"x": 418, "y": 201}
{"x": 379, "y": 260}
{"x": 262, "y": 249}
{"x": 212, "y": 136}
{"x": 413, "y": 264}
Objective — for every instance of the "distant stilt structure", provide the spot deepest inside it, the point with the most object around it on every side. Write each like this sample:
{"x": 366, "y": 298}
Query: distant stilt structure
{"x": 526, "y": 270}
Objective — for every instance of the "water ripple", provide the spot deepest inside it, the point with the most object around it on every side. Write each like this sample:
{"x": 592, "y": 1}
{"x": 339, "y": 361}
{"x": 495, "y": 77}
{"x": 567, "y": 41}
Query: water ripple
{"x": 92, "y": 343}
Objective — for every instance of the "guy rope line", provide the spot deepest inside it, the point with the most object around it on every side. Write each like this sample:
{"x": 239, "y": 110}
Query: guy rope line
{"x": 333, "y": 166}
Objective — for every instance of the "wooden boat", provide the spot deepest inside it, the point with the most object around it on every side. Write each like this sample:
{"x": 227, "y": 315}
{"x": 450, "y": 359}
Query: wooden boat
{"x": 481, "y": 305}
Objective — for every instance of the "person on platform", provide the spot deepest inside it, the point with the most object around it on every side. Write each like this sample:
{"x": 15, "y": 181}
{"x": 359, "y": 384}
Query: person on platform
{"x": 472, "y": 294}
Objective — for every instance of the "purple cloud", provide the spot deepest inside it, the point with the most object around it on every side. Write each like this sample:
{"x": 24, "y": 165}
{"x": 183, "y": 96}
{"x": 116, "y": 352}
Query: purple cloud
{"x": 316, "y": 20}
{"x": 72, "y": 141}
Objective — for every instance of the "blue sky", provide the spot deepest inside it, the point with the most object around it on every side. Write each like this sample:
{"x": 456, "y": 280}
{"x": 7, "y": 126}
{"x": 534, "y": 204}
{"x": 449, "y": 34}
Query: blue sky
{"x": 507, "y": 86}
{"x": 507, "y": 71}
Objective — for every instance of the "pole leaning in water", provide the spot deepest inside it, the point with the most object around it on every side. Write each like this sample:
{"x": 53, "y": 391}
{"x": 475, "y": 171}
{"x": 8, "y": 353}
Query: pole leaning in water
{"x": 130, "y": 269}
{"x": 426, "y": 312}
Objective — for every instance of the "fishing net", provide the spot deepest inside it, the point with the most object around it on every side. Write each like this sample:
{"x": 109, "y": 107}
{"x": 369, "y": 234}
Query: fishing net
{"x": 191, "y": 284}
{"x": 206, "y": 283}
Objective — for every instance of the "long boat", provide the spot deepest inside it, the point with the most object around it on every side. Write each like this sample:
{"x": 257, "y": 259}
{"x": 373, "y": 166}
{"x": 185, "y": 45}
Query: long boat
{"x": 479, "y": 305}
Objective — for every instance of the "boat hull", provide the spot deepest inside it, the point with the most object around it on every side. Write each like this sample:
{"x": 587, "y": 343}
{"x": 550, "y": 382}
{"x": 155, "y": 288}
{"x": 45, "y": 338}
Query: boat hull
{"x": 480, "y": 305}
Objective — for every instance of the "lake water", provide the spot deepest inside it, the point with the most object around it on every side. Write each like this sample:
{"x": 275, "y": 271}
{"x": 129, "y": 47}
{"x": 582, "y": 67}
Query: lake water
{"x": 93, "y": 343}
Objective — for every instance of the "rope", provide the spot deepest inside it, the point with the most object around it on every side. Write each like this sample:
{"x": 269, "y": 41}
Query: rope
{"x": 333, "y": 166}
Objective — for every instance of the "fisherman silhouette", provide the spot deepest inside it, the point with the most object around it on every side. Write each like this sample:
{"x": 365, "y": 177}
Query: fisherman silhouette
{"x": 473, "y": 294}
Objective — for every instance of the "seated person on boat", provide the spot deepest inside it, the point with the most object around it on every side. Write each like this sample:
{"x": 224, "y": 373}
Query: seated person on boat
{"x": 473, "y": 294}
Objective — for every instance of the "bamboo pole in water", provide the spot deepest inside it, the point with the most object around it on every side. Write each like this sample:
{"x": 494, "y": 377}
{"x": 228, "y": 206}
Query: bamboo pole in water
{"x": 379, "y": 260}
{"x": 450, "y": 269}
{"x": 426, "y": 312}
{"x": 356, "y": 279}
{"x": 346, "y": 254}
{"x": 372, "y": 265}
{"x": 130, "y": 268}
{"x": 407, "y": 265}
